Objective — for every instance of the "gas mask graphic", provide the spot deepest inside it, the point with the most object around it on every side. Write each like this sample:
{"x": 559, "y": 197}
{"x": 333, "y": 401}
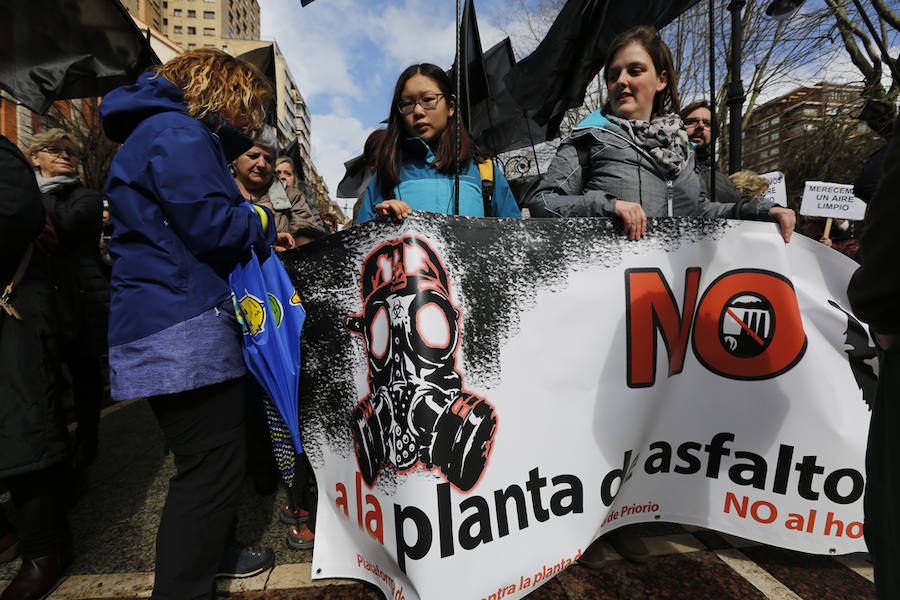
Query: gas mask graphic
{"x": 416, "y": 411}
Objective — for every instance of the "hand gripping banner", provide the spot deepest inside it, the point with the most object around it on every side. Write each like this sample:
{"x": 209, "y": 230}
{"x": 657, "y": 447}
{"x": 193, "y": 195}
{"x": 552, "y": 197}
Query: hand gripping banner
{"x": 484, "y": 388}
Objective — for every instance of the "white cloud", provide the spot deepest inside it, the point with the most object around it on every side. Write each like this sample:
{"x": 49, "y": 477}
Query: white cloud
{"x": 336, "y": 139}
{"x": 317, "y": 43}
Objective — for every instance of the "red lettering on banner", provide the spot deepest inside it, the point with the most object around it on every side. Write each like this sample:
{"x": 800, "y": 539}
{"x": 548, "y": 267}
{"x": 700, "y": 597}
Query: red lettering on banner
{"x": 780, "y": 350}
{"x": 747, "y": 324}
{"x": 651, "y": 307}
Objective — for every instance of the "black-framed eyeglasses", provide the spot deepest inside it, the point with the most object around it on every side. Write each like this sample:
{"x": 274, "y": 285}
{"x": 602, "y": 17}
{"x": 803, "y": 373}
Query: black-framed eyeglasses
{"x": 428, "y": 102}
{"x": 54, "y": 151}
{"x": 694, "y": 121}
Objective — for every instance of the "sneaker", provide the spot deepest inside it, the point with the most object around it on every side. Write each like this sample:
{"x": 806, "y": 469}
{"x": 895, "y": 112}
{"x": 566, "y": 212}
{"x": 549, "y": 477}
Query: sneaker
{"x": 628, "y": 544}
{"x": 290, "y": 516}
{"x": 9, "y": 547}
{"x": 301, "y": 538}
{"x": 245, "y": 561}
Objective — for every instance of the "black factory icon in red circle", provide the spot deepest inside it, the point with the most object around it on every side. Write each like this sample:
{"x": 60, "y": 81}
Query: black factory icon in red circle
{"x": 747, "y": 325}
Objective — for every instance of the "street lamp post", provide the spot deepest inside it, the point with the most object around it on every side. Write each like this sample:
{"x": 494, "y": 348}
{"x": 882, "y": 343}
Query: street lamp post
{"x": 735, "y": 88}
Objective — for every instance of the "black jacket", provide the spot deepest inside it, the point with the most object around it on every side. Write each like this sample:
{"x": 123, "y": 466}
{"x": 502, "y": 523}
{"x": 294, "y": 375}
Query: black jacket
{"x": 32, "y": 435}
{"x": 726, "y": 191}
{"x": 76, "y": 212}
{"x": 874, "y": 289}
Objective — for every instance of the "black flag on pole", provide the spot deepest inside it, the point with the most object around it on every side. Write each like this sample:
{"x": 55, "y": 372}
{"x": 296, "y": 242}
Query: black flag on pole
{"x": 61, "y": 49}
{"x": 474, "y": 81}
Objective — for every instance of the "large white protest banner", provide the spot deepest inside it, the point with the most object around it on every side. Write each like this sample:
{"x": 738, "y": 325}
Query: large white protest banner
{"x": 777, "y": 191}
{"x": 484, "y": 388}
{"x": 833, "y": 200}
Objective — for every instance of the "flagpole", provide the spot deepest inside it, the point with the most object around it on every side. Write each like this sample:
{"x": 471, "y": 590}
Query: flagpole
{"x": 458, "y": 118}
{"x": 712, "y": 104}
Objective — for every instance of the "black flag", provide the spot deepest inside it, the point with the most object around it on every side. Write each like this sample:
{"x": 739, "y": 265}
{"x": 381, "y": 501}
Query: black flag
{"x": 61, "y": 49}
{"x": 554, "y": 78}
{"x": 474, "y": 87}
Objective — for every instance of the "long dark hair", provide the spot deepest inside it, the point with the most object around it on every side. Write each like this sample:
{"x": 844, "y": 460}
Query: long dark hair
{"x": 389, "y": 154}
{"x": 666, "y": 101}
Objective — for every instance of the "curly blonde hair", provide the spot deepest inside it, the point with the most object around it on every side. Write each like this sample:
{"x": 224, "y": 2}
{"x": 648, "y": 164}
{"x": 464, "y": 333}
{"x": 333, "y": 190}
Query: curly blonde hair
{"x": 213, "y": 81}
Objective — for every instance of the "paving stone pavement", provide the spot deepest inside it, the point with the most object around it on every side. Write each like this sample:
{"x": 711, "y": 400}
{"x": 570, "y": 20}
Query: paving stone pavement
{"x": 114, "y": 525}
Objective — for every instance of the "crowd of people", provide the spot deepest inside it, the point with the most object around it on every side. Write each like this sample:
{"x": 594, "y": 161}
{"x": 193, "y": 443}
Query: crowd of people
{"x": 196, "y": 183}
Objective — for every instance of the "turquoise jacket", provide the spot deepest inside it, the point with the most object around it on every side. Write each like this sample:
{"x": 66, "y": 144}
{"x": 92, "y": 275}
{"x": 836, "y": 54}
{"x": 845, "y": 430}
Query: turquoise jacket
{"x": 424, "y": 188}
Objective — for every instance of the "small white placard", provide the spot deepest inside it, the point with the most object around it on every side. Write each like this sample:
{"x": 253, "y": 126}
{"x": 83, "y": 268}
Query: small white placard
{"x": 777, "y": 191}
{"x": 822, "y": 199}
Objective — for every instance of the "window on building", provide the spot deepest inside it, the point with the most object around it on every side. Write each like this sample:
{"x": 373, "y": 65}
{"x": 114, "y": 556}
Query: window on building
{"x": 191, "y": 46}
{"x": 192, "y": 13}
{"x": 165, "y": 5}
{"x": 176, "y": 12}
{"x": 224, "y": 48}
{"x": 178, "y": 29}
{"x": 165, "y": 21}
{"x": 209, "y": 14}
{"x": 192, "y": 30}
{"x": 209, "y": 31}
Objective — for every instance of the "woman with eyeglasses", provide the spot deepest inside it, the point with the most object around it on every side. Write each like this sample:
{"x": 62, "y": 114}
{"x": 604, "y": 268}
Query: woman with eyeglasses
{"x": 414, "y": 162}
{"x": 632, "y": 159}
{"x": 75, "y": 213}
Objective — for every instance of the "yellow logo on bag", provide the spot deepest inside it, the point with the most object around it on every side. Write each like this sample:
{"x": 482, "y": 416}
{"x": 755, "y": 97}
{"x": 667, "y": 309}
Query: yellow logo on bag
{"x": 254, "y": 314}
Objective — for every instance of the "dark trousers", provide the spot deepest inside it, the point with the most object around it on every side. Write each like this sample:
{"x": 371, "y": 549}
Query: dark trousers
{"x": 83, "y": 359}
{"x": 204, "y": 429}
{"x": 882, "y": 500}
{"x": 38, "y": 498}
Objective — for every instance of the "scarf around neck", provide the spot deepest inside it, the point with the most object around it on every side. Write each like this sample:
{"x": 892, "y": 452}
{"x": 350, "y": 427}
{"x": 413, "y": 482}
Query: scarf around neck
{"x": 54, "y": 184}
{"x": 663, "y": 137}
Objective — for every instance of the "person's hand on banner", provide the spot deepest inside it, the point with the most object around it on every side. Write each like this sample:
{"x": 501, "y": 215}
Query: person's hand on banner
{"x": 283, "y": 241}
{"x": 398, "y": 208}
{"x": 634, "y": 217}
{"x": 786, "y": 219}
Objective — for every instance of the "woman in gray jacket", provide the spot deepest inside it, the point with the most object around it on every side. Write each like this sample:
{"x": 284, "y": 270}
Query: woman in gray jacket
{"x": 632, "y": 158}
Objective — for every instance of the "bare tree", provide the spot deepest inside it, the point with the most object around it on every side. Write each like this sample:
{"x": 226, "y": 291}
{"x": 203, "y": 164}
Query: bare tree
{"x": 880, "y": 104}
{"x": 772, "y": 52}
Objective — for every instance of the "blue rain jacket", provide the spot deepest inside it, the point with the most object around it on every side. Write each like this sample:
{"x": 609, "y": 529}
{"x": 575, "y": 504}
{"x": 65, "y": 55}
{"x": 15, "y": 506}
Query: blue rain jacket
{"x": 424, "y": 188}
{"x": 180, "y": 228}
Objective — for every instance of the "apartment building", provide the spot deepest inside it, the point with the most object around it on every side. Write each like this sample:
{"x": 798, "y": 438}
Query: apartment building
{"x": 785, "y": 121}
{"x": 210, "y": 23}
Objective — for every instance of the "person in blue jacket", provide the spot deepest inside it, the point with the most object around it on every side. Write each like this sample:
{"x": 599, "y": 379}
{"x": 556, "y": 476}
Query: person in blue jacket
{"x": 181, "y": 227}
{"x": 414, "y": 163}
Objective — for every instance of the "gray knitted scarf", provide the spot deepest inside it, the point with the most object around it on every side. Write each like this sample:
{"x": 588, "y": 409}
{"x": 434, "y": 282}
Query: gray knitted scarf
{"x": 663, "y": 137}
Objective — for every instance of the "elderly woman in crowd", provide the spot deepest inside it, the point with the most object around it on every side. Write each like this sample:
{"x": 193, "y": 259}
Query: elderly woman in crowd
{"x": 75, "y": 214}
{"x": 181, "y": 226}
{"x": 33, "y": 445}
{"x": 254, "y": 174}
{"x": 287, "y": 173}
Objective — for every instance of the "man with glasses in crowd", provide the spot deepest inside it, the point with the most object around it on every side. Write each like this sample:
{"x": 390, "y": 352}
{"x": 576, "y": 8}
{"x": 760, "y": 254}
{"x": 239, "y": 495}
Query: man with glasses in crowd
{"x": 698, "y": 123}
